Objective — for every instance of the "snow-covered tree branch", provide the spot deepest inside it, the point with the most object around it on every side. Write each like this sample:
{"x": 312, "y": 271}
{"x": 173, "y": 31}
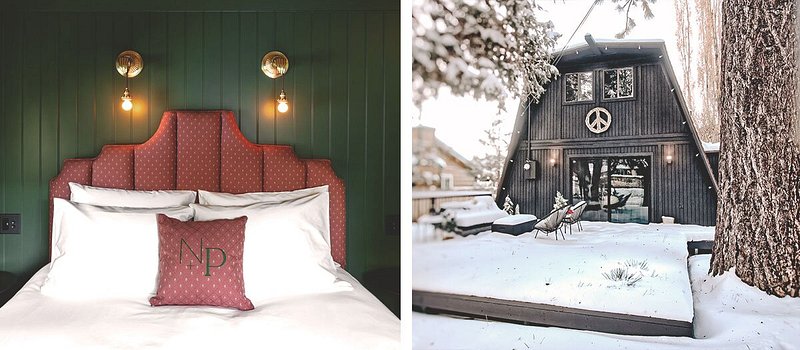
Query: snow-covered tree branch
{"x": 486, "y": 48}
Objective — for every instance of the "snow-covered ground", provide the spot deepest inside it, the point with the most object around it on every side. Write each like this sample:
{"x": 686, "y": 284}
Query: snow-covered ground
{"x": 573, "y": 272}
{"x": 727, "y": 313}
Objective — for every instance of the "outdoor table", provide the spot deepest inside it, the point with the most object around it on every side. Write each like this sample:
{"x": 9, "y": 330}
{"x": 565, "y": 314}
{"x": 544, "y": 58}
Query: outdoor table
{"x": 514, "y": 224}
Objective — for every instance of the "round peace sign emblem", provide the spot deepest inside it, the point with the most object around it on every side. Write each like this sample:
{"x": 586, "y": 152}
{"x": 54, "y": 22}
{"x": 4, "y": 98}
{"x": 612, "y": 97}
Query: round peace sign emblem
{"x": 598, "y": 120}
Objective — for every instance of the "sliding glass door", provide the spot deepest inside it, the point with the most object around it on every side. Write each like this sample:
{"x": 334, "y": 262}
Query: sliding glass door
{"x": 615, "y": 188}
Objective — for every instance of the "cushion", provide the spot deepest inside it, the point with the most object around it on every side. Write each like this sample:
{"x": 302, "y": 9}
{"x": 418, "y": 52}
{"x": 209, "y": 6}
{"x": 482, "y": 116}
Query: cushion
{"x": 129, "y": 198}
{"x": 285, "y": 248}
{"x": 104, "y": 252}
{"x": 228, "y": 199}
{"x": 200, "y": 263}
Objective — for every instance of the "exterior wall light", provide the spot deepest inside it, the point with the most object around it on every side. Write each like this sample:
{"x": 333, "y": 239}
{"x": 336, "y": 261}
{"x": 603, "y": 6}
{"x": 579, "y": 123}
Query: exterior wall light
{"x": 553, "y": 161}
{"x": 669, "y": 159}
{"x": 275, "y": 65}
{"x": 129, "y": 64}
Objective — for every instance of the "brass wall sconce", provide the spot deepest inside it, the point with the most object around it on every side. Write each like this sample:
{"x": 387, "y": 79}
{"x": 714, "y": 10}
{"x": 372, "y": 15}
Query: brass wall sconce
{"x": 275, "y": 65}
{"x": 129, "y": 64}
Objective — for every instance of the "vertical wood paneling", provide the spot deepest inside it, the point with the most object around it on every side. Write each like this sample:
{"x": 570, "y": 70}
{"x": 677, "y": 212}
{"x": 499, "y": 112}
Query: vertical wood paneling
{"x": 284, "y": 42}
{"x": 356, "y": 125}
{"x": 321, "y": 89}
{"x": 343, "y": 88}
{"x": 86, "y": 84}
{"x": 212, "y": 60}
{"x": 140, "y": 115}
{"x": 249, "y": 61}
{"x": 266, "y": 27}
{"x": 157, "y": 95}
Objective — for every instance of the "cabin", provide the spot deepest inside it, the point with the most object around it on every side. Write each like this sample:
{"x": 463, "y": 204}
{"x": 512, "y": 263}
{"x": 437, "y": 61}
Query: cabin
{"x": 437, "y": 165}
{"x": 613, "y": 130}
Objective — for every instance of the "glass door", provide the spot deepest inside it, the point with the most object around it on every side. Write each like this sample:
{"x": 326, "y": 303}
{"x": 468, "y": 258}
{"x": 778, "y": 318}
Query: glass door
{"x": 616, "y": 189}
{"x": 629, "y": 199}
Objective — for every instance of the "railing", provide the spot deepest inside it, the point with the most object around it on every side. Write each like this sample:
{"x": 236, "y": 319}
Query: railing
{"x": 423, "y": 201}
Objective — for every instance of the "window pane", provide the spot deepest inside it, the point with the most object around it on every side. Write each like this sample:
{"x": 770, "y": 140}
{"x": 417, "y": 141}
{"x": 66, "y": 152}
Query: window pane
{"x": 586, "y": 86}
{"x": 571, "y": 88}
{"x": 625, "y": 82}
{"x": 610, "y": 83}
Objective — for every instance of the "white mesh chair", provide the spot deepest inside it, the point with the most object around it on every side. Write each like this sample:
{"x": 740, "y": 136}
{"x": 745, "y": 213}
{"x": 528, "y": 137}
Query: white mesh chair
{"x": 552, "y": 222}
{"x": 575, "y": 217}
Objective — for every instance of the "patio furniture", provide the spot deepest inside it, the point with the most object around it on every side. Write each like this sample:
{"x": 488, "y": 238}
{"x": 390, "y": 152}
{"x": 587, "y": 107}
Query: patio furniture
{"x": 472, "y": 216}
{"x": 552, "y": 222}
{"x": 514, "y": 224}
{"x": 574, "y": 215}
{"x": 620, "y": 204}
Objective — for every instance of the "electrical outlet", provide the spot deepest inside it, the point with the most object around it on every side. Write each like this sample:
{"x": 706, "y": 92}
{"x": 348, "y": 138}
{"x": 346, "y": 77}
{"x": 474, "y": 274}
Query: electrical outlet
{"x": 10, "y": 223}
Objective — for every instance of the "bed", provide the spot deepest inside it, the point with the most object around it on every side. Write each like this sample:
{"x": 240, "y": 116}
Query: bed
{"x": 202, "y": 151}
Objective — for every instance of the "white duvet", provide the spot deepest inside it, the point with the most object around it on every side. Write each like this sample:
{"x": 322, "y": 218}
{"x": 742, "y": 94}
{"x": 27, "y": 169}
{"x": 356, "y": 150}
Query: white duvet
{"x": 352, "y": 319}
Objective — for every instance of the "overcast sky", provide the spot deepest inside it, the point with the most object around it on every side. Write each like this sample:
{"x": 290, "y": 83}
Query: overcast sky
{"x": 460, "y": 121}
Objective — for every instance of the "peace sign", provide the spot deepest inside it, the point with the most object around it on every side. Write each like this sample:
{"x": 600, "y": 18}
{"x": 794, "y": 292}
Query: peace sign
{"x": 598, "y": 120}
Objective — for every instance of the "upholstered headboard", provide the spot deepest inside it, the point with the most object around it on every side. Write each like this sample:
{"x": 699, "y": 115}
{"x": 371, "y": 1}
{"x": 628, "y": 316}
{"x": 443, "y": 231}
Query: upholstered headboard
{"x": 205, "y": 150}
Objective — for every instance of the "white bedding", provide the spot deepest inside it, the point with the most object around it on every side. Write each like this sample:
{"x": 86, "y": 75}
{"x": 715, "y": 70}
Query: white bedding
{"x": 352, "y": 319}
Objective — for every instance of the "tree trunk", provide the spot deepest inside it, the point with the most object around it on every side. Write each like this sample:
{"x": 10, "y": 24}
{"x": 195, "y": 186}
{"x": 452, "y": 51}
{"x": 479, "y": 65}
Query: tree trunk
{"x": 758, "y": 215}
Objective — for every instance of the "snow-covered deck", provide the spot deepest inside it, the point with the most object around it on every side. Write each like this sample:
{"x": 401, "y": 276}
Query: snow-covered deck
{"x": 728, "y": 315}
{"x": 569, "y": 273}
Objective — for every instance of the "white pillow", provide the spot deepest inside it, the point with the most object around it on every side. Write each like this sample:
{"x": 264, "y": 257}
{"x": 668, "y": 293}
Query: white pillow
{"x": 285, "y": 252}
{"x": 104, "y": 252}
{"x": 218, "y": 198}
{"x": 129, "y": 198}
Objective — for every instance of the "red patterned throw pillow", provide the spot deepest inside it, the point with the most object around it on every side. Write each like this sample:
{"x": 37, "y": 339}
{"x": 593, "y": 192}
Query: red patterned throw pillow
{"x": 200, "y": 263}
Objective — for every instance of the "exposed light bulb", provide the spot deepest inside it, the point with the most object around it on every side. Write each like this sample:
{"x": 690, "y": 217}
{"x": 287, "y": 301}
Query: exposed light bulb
{"x": 527, "y": 166}
{"x": 127, "y": 100}
{"x": 283, "y": 103}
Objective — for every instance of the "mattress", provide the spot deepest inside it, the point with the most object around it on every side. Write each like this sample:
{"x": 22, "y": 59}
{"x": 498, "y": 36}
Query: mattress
{"x": 352, "y": 319}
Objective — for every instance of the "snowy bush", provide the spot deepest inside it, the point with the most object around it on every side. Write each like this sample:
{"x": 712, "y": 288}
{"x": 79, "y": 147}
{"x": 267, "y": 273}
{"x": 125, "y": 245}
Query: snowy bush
{"x": 560, "y": 201}
{"x": 508, "y": 206}
{"x": 641, "y": 265}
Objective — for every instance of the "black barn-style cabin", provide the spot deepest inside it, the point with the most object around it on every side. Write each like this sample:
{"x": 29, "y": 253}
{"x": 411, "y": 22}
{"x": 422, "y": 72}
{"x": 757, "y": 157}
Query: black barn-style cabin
{"x": 613, "y": 129}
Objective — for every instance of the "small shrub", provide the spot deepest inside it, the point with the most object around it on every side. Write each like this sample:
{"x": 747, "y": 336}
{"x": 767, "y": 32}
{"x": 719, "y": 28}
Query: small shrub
{"x": 622, "y": 274}
{"x": 642, "y": 265}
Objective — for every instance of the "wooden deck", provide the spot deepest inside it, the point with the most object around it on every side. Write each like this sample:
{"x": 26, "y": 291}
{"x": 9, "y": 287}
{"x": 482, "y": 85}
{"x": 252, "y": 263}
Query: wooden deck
{"x": 548, "y": 315}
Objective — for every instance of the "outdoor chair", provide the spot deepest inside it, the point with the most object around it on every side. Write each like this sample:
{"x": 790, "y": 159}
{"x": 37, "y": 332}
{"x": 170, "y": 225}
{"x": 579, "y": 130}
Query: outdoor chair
{"x": 575, "y": 216}
{"x": 552, "y": 222}
{"x": 619, "y": 204}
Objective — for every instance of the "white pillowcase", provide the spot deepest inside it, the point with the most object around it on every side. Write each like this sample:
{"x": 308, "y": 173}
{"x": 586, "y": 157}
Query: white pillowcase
{"x": 105, "y": 252}
{"x": 285, "y": 250}
{"x": 129, "y": 198}
{"x": 218, "y": 198}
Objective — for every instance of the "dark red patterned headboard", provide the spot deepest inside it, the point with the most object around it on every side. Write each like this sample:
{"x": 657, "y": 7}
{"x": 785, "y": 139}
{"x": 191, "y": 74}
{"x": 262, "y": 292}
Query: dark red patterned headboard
{"x": 205, "y": 150}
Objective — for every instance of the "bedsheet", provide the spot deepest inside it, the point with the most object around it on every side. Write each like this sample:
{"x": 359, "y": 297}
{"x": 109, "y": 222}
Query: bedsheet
{"x": 350, "y": 319}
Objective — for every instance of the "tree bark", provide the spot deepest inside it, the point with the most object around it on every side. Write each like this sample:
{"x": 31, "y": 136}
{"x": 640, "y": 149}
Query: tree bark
{"x": 758, "y": 215}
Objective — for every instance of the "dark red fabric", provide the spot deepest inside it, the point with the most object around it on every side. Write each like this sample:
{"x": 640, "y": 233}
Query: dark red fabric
{"x": 200, "y": 263}
{"x": 155, "y": 160}
{"x": 283, "y": 171}
{"x": 198, "y": 150}
{"x": 114, "y": 167}
{"x": 321, "y": 173}
{"x": 205, "y": 150}
{"x": 242, "y": 163}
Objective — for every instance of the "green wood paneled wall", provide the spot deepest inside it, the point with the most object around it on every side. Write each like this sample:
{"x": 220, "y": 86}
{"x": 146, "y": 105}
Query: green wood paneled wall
{"x": 60, "y": 95}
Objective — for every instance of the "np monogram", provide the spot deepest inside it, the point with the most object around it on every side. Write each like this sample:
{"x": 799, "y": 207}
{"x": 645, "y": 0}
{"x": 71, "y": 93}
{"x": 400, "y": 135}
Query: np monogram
{"x": 199, "y": 257}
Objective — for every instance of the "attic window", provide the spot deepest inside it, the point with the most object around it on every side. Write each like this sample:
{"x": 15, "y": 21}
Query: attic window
{"x": 618, "y": 83}
{"x": 579, "y": 87}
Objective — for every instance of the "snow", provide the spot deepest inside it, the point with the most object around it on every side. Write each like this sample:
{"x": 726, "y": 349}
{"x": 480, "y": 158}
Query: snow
{"x": 566, "y": 272}
{"x": 728, "y": 315}
{"x": 711, "y": 146}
